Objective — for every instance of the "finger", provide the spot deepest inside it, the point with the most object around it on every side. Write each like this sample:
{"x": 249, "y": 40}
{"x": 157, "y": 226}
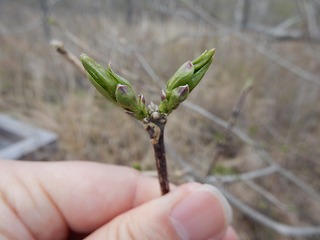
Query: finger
{"x": 52, "y": 197}
{"x": 193, "y": 212}
{"x": 230, "y": 234}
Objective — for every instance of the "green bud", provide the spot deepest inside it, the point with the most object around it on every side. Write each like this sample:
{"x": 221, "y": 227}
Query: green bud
{"x": 106, "y": 81}
{"x": 126, "y": 98}
{"x": 178, "y": 95}
{"x": 203, "y": 59}
{"x": 98, "y": 76}
{"x": 142, "y": 111}
{"x": 181, "y": 77}
{"x": 163, "y": 106}
{"x": 184, "y": 81}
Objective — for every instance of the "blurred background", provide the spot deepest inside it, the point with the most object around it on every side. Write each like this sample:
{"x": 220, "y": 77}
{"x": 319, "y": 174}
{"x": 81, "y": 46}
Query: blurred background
{"x": 275, "y": 136}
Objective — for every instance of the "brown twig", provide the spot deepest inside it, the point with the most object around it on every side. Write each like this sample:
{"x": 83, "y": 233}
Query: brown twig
{"x": 224, "y": 146}
{"x": 69, "y": 56}
{"x": 237, "y": 109}
{"x": 155, "y": 125}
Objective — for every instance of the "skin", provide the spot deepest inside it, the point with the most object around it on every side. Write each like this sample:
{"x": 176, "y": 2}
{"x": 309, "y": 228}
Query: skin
{"x": 71, "y": 200}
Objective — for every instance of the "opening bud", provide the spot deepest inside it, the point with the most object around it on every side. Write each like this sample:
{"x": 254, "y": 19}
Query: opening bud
{"x": 198, "y": 75}
{"x": 203, "y": 59}
{"x": 126, "y": 98}
{"x": 142, "y": 110}
{"x": 178, "y": 95}
{"x": 181, "y": 77}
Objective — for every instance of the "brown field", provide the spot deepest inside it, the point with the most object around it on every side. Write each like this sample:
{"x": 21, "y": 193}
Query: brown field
{"x": 281, "y": 113}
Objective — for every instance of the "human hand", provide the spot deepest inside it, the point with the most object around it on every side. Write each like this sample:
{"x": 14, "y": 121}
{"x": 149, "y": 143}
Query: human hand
{"x": 69, "y": 200}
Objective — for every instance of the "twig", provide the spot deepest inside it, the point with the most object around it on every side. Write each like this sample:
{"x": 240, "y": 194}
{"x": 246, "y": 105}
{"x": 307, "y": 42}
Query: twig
{"x": 235, "y": 115}
{"x": 281, "y": 228}
{"x": 193, "y": 34}
{"x": 287, "y": 23}
{"x": 76, "y": 40}
{"x": 188, "y": 171}
{"x": 243, "y": 176}
{"x": 224, "y": 146}
{"x": 302, "y": 185}
{"x": 58, "y": 45}
{"x": 146, "y": 66}
{"x": 267, "y": 195}
{"x": 218, "y": 121}
{"x": 237, "y": 109}
{"x": 29, "y": 26}
{"x": 155, "y": 125}
{"x": 278, "y": 34}
{"x": 281, "y": 31}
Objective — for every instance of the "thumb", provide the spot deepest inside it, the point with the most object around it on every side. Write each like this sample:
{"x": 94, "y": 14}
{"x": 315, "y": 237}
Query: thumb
{"x": 192, "y": 211}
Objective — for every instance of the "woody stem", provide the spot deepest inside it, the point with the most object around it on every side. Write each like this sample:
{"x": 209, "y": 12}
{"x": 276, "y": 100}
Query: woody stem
{"x": 155, "y": 129}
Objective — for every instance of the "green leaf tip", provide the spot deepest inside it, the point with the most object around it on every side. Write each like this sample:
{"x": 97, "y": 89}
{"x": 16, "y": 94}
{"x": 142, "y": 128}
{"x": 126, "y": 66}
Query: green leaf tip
{"x": 203, "y": 59}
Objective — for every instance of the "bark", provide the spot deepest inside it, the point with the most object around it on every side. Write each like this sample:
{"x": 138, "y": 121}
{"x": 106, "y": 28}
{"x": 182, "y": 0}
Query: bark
{"x": 155, "y": 128}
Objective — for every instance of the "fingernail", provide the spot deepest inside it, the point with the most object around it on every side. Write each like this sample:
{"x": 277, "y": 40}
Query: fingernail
{"x": 203, "y": 214}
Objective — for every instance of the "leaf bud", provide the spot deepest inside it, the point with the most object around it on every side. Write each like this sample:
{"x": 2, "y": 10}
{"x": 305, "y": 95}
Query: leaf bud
{"x": 181, "y": 76}
{"x": 178, "y": 95}
{"x": 98, "y": 76}
{"x": 126, "y": 97}
{"x": 142, "y": 110}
